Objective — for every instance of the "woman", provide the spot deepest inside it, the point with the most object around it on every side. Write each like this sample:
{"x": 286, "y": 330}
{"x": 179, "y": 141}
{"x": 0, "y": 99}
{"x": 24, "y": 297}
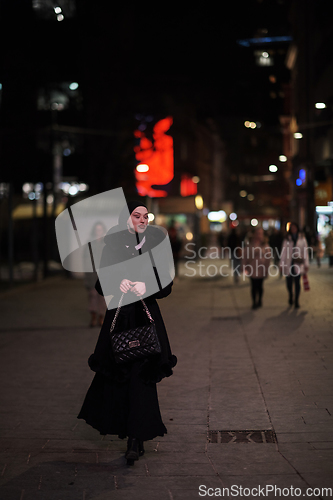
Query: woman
{"x": 256, "y": 261}
{"x": 122, "y": 398}
{"x": 294, "y": 261}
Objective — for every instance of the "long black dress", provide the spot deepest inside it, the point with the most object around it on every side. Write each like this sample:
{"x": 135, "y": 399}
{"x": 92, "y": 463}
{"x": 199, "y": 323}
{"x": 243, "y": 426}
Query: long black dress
{"x": 122, "y": 398}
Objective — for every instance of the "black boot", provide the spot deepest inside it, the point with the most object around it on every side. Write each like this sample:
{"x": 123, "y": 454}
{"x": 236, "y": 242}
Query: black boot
{"x": 132, "y": 452}
{"x": 290, "y": 300}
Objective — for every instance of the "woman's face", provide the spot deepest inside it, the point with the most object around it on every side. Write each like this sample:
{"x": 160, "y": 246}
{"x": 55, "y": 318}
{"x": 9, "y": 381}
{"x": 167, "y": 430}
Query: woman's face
{"x": 293, "y": 229}
{"x": 138, "y": 220}
{"x": 99, "y": 231}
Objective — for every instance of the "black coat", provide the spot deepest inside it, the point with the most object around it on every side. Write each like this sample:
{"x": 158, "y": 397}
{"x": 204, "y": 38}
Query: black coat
{"x": 119, "y": 249}
{"x": 122, "y": 398}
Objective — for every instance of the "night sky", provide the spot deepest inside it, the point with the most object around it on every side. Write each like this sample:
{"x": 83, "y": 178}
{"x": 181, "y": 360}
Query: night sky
{"x": 126, "y": 56}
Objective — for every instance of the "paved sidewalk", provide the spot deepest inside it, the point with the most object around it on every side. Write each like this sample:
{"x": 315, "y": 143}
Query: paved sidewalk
{"x": 268, "y": 370}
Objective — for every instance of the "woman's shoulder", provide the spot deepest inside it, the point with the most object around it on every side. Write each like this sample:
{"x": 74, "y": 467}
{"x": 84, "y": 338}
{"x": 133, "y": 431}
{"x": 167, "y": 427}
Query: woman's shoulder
{"x": 156, "y": 234}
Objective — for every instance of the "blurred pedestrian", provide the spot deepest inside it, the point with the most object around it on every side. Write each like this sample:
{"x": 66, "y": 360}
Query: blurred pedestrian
{"x": 122, "y": 398}
{"x": 319, "y": 251}
{"x": 96, "y": 302}
{"x": 176, "y": 245}
{"x": 329, "y": 247}
{"x": 275, "y": 242}
{"x": 294, "y": 262}
{"x": 235, "y": 251}
{"x": 222, "y": 241}
{"x": 255, "y": 264}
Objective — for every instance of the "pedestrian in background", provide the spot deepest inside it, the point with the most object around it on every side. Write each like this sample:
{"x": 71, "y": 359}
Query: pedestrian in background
{"x": 318, "y": 248}
{"x": 235, "y": 251}
{"x": 96, "y": 302}
{"x": 255, "y": 264}
{"x": 275, "y": 241}
{"x": 294, "y": 262}
{"x": 329, "y": 248}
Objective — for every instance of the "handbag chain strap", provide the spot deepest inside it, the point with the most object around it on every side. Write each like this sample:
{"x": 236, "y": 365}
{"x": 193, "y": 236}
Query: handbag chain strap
{"x": 113, "y": 324}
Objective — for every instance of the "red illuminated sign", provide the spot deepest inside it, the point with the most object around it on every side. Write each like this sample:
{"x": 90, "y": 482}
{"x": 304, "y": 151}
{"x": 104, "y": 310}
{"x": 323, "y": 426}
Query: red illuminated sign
{"x": 158, "y": 155}
{"x": 187, "y": 186}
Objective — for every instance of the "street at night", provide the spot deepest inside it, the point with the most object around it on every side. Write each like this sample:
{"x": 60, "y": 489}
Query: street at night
{"x": 238, "y": 370}
{"x": 181, "y": 158}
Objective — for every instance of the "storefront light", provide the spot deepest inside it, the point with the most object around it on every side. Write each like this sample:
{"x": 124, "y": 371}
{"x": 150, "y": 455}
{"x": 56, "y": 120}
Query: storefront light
{"x": 198, "y": 202}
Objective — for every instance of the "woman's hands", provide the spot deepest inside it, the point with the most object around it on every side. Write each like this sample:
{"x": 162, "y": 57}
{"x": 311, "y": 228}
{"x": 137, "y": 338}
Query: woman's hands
{"x": 126, "y": 285}
{"x": 137, "y": 287}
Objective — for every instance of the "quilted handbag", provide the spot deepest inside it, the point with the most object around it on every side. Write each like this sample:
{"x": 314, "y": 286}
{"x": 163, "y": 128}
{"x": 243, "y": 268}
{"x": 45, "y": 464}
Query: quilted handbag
{"x": 135, "y": 343}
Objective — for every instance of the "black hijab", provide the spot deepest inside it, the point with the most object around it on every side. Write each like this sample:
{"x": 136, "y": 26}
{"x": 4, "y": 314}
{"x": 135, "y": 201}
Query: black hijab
{"x": 128, "y": 209}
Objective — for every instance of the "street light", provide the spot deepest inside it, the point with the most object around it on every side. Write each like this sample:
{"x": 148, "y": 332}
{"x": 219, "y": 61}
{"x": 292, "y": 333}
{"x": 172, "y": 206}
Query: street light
{"x": 273, "y": 168}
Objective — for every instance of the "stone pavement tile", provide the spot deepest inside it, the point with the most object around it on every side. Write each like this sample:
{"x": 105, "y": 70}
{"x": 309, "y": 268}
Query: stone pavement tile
{"x": 26, "y": 444}
{"x": 305, "y": 437}
{"x": 173, "y": 484}
{"x": 14, "y": 493}
{"x": 320, "y": 480}
{"x": 177, "y": 446}
{"x": 173, "y": 457}
{"x": 313, "y": 455}
{"x": 312, "y": 465}
{"x": 253, "y": 467}
{"x": 181, "y": 469}
{"x": 183, "y": 416}
{"x": 300, "y": 447}
{"x": 323, "y": 445}
{"x": 238, "y": 421}
{"x": 283, "y": 427}
{"x": 81, "y": 444}
{"x": 242, "y": 451}
{"x": 271, "y": 481}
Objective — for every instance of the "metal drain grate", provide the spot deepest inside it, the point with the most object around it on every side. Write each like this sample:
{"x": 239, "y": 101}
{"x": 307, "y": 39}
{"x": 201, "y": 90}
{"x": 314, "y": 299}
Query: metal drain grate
{"x": 246, "y": 436}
